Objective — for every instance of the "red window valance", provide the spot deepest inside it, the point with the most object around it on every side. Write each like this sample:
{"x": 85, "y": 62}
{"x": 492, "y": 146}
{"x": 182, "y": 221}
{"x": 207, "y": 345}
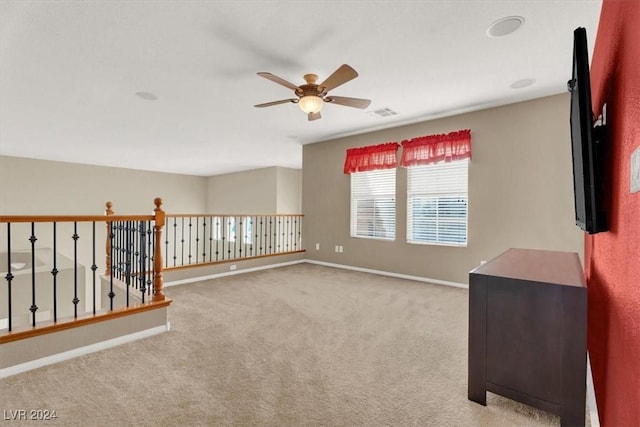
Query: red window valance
{"x": 372, "y": 157}
{"x": 430, "y": 149}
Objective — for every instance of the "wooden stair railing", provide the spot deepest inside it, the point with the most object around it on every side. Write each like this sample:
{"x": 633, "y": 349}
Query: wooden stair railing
{"x": 158, "y": 298}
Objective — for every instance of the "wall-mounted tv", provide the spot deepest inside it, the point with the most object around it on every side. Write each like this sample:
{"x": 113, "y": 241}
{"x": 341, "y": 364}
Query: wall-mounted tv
{"x": 587, "y": 143}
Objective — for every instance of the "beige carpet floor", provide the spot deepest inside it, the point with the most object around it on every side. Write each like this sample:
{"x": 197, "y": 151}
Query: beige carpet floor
{"x": 303, "y": 345}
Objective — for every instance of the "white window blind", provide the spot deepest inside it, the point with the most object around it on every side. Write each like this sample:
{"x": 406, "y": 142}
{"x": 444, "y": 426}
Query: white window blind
{"x": 437, "y": 203}
{"x": 373, "y": 204}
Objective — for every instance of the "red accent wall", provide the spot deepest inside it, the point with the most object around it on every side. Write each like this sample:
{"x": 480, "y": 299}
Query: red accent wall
{"x": 612, "y": 259}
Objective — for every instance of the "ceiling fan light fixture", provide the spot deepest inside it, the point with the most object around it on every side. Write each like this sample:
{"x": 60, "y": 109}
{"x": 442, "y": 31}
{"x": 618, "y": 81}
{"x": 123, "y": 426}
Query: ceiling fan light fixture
{"x": 311, "y": 104}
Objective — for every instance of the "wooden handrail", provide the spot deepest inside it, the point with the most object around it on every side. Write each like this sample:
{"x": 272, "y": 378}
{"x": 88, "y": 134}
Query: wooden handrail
{"x": 226, "y": 214}
{"x": 47, "y": 328}
{"x": 73, "y": 218}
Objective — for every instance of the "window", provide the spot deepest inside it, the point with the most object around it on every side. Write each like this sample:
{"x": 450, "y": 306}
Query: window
{"x": 437, "y": 203}
{"x": 373, "y": 204}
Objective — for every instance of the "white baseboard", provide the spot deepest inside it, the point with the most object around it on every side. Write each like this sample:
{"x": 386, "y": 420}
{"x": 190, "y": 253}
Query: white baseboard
{"x": 390, "y": 274}
{"x": 55, "y": 358}
{"x": 231, "y": 273}
{"x": 327, "y": 264}
{"x": 591, "y": 397}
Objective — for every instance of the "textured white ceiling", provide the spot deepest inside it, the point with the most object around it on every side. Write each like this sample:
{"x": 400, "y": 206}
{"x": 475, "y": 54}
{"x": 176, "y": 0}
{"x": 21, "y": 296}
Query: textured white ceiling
{"x": 70, "y": 70}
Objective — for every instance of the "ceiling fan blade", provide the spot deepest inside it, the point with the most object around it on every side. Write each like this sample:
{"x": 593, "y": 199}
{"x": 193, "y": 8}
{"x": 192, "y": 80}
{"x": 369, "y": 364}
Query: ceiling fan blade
{"x": 282, "y": 101}
{"x": 339, "y": 76}
{"x": 314, "y": 116}
{"x": 278, "y": 80}
{"x": 349, "y": 102}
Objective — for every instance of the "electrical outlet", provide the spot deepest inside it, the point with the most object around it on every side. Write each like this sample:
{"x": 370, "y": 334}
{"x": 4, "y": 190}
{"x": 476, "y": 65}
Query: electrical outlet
{"x": 317, "y": 246}
{"x": 337, "y": 249}
{"x": 233, "y": 267}
{"x": 340, "y": 249}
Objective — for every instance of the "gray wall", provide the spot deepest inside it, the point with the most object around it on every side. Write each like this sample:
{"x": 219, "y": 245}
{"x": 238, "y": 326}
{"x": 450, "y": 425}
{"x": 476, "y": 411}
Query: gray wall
{"x": 38, "y": 187}
{"x": 520, "y": 192}
{"x": 259, "y": 191}
{"x": 289, "y": 191}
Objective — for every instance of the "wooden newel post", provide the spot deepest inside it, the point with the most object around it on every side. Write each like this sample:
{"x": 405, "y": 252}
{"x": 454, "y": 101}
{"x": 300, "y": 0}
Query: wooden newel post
{"x": 108, "y": 212}
{"x": 158, "y": 294}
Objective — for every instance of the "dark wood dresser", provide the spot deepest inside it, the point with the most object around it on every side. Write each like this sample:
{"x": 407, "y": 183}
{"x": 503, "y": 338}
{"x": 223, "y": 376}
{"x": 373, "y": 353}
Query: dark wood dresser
{"x": 528, "y": 331}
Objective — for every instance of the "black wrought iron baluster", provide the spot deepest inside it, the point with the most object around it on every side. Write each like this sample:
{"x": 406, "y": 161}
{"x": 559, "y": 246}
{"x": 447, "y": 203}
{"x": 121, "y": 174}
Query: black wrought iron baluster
{"x": 151, "y": 259}
{"x": 54, "y": 274}
{"x": 294, "y": 243}
{"x": 227, "y": 236}
{"x": 133, "y": 249}
{"x": 112, "y": 236}
{"x": 9, "y": 276}
{"x": 166, "y": 242}
{"x": 281, "y": 230}
{"x": 139, "y": 252}
{"x": 182, "y": 242}
{"x": 234, "y": 237}
{"x": 175, "y": 240}
{"x": 123, "y": 252}
{"x": 94, "y": 266}
{"x": 204, "y": 229}
{"x": 114, "y": 248}
{"x": 190, "y": 234}
{"x": 270, "y": 229}
{"x": 127, "y": 261}
{"x": 118, "y": 253}
{"x": 195, "y": 254}
{"x": 218, "y": 231}
{"x": 119, "y": 250}
{"x": 33, "y": 307}
{"x": 261, "y": 234}
{"x": 238, "y": 237}
{"x": 149, "y": 275}
{"x": 135, "y": 283}
{"x": 75, "y": 300}
{"x": 224, "y": 234}
{"x": 254, "y": 235}
{"x": 204, "y": 238}
{"x": 288, "y": 238}
{"x": 250, "y": 233}
{"x": 210, "y": 237}
{"x": 143, "y": 247}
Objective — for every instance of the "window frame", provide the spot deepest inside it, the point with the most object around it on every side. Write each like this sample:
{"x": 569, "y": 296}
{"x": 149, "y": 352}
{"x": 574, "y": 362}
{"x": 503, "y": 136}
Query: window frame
{"x": 357, "y": 196}
{"x": 437, "y": 195}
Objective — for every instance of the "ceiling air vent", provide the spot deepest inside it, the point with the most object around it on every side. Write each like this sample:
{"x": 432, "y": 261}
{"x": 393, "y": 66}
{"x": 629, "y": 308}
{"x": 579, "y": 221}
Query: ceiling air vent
{"x": 382, "y": 112}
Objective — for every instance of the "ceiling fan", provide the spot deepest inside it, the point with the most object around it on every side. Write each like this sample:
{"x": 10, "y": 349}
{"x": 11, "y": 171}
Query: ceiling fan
{"x": 311, "y": 96}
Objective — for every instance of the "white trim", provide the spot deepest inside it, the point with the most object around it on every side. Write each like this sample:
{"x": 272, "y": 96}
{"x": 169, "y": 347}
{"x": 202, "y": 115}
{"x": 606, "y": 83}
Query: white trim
{"x": 232, "y": 273}
{"x": 327, "y": 264}
{"x": 591, "y": 397}
{"x": 81, "y": 351}
{"x": 388, "y": 273}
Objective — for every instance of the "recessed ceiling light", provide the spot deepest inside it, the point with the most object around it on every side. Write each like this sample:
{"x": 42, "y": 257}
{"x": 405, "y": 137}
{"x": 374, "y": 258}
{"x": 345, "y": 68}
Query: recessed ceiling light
{"x": 505, "y": 26}
{"x": 147, "y": 95}
{"x": 519, "y": 84}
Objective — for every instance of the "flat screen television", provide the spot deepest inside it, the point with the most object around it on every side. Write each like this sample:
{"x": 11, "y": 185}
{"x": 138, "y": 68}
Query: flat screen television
{"x": 587, "y": 143}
